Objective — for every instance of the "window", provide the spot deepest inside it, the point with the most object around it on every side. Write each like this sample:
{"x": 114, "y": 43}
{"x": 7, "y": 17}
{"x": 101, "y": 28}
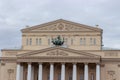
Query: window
{"x": 82, "y": 41}
{"x": 66, "y": 41}
{"x": 29, "y": 41}
{"x": 92, "y": 41}
{"x": 49, "y": 41}
{"x": 38, "y": 41}
{"x": 71, "y": 41}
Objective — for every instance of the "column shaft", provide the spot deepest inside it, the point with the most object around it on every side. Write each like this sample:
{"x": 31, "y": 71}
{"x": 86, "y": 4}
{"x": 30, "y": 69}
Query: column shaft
{"x": 51, "y": 72}
{"x": 86, "y": 72}
{"x": 18, "y": 72}
{"x": 97, "y": 72}
{"x": 40, "y": 72}
{"x": 63, "y": 72}
{"x": 29, "y": 72}
{"x": 74, "y": 72}
{"x": 21, "y": 72}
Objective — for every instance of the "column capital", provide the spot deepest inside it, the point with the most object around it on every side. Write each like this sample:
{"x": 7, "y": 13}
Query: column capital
{"x": 40, "y": 63}
{"x": 97, "y": 63}
{"x": 86, "y": 63}
{"x": 29, "y": 63}
{"x": 18, "y": 62}
{"x": 63, "y": 63}
{"x": 51, "y": 63}
{"x": 74, "y": 63}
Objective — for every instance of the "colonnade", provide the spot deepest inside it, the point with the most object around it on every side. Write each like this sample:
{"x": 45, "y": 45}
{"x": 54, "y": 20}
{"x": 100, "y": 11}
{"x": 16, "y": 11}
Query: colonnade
{"x": 40, "y": 72}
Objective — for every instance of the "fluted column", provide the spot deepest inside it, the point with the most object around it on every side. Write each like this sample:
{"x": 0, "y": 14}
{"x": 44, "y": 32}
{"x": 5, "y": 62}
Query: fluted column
{"x": 74, "y": 72}
{"x": 29, "y": 71}
{"x": 18, "y": 71}
{"x": 86, "y": 72}
{"x": 40, "y": 72}
{"x": 97, "y": 71}
{"x": 63, "y": 71}
{"x": 51, "y": 71}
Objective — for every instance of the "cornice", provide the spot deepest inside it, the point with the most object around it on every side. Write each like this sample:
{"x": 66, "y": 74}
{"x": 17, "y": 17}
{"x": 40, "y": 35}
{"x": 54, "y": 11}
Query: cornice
{"x": 58, "y": 49}
{"x": 64, "y": 21}
{"x": 8, "y": 59}
{"x": 110, "y": 60}
{"x": 59, "y": 31}
{"x": 58, "y": 59}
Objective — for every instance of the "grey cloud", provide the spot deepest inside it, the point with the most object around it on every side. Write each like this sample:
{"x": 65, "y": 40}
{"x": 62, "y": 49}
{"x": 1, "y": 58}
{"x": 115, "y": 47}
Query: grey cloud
{"x": 16, "y": 14}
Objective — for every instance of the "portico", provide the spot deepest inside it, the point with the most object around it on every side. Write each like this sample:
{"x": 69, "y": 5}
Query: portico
{"x": 84, "y": 66}
{"x": 60, "y": 75}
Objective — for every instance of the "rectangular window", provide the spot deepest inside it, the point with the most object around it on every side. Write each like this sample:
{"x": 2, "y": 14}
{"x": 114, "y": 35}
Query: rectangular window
{"x": 71, "y": 41}
{"x": 30, "y": 42}
{"x": 66, "y": 40}
{"x": 38, "y": 41}
{"x": 92, "y": 41}
{"x": 49, "y": 41}
{"x": 82, "y": 41}
{"x": 27, "y": 41}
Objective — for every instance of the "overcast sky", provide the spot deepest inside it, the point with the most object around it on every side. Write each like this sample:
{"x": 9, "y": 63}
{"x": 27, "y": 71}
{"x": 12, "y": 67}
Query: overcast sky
{"x": 16, "y": 14}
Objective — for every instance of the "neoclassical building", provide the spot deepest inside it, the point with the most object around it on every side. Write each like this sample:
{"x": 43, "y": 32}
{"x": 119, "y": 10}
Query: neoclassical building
{"x": 80, "y": 57}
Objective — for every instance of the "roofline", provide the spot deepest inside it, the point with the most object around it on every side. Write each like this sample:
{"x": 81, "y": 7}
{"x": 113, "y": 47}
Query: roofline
{"x": 50, "y": 22}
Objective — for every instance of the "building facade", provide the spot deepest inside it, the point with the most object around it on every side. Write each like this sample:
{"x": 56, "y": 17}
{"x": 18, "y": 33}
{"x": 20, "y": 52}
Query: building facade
{"x": 80, "y": 57}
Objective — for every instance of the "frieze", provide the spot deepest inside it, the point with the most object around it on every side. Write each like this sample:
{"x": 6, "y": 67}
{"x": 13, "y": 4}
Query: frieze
{"x": 61, "y": 27}
{"x": 57, "y": 53}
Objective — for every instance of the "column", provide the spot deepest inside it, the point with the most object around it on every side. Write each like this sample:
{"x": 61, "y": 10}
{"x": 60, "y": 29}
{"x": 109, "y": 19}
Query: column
{"x": 32, "y": 73}
{"x": 29, "y": 71}
{"x": 21, "y": 72}
{"x": 97, "y": 71}
{"x": 18, "y": 71}
{"x": 63, "y": 71}
{"x": 40, "y": 72}
{"x": 51, "y": 71}
{"x": 86, "y": 72}
{"x": 74, "y": 72}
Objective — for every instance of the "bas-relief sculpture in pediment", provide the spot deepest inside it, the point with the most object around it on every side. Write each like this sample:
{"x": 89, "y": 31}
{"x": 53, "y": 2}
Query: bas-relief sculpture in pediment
{"x": 61, "y": 27}
{"x": 58, "y": 52}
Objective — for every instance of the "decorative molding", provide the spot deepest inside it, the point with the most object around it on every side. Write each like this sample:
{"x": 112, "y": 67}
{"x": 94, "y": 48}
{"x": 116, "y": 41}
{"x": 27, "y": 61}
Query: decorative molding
{"x": 109, "y": 53}
{"x": 61, "y": 25}
{"x": 57, "y": 53}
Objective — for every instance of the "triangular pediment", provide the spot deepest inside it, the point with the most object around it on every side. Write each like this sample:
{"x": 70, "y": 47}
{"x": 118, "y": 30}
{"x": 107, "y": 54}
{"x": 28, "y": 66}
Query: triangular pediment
{"x": 58, "y": 52}
{"x": 60, "y": 25}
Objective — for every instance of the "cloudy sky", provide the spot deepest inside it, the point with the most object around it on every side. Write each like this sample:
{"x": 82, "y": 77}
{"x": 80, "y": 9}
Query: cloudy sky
{"x": 16, "y": 14}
